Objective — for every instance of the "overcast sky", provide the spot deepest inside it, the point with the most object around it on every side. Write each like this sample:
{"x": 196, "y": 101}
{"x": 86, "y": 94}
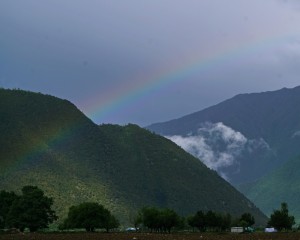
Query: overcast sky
{"x": 122, "y": 61}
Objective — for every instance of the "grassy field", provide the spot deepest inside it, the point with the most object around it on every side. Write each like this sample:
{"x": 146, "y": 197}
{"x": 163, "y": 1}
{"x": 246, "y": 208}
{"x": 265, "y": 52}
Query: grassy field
{"x": 149, "y": 236}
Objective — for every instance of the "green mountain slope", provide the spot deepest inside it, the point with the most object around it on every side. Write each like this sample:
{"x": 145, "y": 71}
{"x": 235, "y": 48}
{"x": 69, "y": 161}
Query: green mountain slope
{"x": 282, "y": 185}
{"x": 48, "y": 142}
{"x": 165, "y": 175}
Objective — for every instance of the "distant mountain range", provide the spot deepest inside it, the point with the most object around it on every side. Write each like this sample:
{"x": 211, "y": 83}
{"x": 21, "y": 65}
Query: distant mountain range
{"x": 48, "y": 142}
{"x": 250, "y": 140}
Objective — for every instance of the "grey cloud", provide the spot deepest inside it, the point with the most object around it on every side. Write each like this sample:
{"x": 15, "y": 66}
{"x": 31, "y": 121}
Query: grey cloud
{"x": 292, "y": 3}
{"x": 296, "y": 134}
{"x": 79, "y": 50}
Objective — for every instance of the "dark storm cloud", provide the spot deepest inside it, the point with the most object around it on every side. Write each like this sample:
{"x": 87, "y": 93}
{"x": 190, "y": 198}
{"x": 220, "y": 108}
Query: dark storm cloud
{"x": 81, "y": 50}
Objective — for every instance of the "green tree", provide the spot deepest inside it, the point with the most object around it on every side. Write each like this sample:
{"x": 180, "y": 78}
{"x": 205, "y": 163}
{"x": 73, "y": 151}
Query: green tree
{"x": 160, "y": 220}
{"x": 225, "y": 221}
{"x": 211, "y": 220}
{"x": 90, "y": 215}
{"x": 32, "y": 210}
{"x": 6, "y": 201}
{"x": 247, "y": 219}
{"x": 111, "y": 223}
{"x": 150, "y": 218}
{"x": 190, "y": 222}
{"x": 169, "y": 219}
{"x": 280, "y": 219}
{"x": 198, "y": 221}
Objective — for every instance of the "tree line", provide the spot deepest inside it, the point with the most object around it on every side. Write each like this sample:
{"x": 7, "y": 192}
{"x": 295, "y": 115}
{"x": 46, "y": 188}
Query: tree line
{"x": 163, "y": 220}
{"x": 33, "y": 210}
{"x": 30, "y": 210}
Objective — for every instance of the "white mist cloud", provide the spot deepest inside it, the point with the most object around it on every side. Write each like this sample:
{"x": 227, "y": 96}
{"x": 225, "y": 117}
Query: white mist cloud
{"x": 197, "y": 146}
{"x": 220, "y": 131}
{"x": 254, "y": 144}
{"x": 218, "y": 146}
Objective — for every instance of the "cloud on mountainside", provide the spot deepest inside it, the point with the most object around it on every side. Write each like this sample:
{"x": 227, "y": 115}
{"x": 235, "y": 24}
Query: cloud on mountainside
{"x": 218, "y": 146}
{"x": 204, "y": 144}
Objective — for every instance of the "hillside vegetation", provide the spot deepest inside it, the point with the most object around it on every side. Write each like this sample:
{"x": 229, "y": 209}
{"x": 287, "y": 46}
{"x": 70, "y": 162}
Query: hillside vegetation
{"x": 48, "y": 142}
{"x": 277, "y": 187}
{"x": 269, "y": 125}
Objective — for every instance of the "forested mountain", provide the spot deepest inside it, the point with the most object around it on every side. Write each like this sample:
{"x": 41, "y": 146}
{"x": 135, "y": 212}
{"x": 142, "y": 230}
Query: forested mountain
{"x": 48, "y": 142}
{"x": 246, "y": 138}
{"x": 282, "y": 185}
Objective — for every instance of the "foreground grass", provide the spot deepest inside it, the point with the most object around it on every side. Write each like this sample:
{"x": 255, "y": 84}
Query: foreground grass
{"x": 150, "y": 236}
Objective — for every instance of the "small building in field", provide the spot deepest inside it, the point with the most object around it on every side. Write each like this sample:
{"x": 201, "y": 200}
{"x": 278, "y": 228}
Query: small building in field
{"x": 270, "y": 230}
{"x": 237, "y": 229}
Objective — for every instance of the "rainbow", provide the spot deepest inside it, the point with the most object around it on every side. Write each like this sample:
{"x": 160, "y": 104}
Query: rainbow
{"x": 40, "y": 146}
{"x": 119, "y": 98}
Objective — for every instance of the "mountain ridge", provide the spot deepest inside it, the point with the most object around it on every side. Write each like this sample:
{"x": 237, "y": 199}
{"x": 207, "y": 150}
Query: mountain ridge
{"x": 209, "y": 112}
{"x": 48, "y": 142}
{"x": 255, "y": 134}
{"x": 271, "y": 116}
